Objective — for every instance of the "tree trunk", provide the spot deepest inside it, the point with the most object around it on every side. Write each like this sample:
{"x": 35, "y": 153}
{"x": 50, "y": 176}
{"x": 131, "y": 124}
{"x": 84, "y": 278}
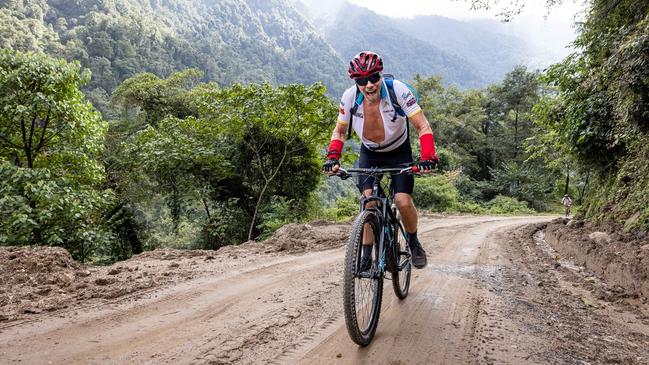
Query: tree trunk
{"x": 582, "y": 192}
{"x": 565, "y": 190}
{"x": 263, "y": 190}
{"x": 516, "y": 133}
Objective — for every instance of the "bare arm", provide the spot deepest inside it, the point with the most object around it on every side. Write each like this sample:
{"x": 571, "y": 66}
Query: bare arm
{"x": 340, "y": 131}
{"x": 426, "y": 140}
{"x": 421, "y": 123}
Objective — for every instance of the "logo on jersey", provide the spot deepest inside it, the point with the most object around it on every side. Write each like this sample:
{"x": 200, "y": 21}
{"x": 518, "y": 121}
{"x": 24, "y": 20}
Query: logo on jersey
{"x": 388, "y": 110}
{"x": 405, "y": 95}
{"x": 341, "y": 110}
{"x": 359, "y": 115}
{"x": 411, "y": 102}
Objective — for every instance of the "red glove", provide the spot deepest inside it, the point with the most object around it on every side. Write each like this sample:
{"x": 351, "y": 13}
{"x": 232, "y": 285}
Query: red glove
{"x": 427, "y": 143}
{"x": 336, "y": 149}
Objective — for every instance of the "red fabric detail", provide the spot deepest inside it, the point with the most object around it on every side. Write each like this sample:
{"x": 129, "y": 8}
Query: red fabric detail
{"x": 427, "y": 143}
{"x": 335, "y": 149}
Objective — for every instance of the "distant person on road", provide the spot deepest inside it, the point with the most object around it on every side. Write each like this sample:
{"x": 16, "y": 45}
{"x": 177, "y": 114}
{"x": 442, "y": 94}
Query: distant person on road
{"x": 370, "y": 108}
{"x": 567, "y": 202}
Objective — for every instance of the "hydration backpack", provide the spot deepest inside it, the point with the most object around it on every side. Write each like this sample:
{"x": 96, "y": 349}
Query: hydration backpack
{"x": 398, "y": 111}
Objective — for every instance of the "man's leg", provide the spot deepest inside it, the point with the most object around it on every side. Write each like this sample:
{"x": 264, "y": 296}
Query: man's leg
{"x": 409, "y": 220}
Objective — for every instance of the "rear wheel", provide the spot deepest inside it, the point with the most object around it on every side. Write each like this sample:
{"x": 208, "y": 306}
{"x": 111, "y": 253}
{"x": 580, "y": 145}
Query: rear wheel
{"x": 362, "y": 291}
{"x": 403, "y": 267}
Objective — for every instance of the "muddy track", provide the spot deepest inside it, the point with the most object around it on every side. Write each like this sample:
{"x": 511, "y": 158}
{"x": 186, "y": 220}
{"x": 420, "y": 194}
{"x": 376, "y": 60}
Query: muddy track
{"x": 478, "y": 301}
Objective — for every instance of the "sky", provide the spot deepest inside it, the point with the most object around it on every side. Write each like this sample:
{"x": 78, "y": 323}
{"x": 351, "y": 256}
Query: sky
{"x": 551, "y": 29}
{"x": 460, "y": 9}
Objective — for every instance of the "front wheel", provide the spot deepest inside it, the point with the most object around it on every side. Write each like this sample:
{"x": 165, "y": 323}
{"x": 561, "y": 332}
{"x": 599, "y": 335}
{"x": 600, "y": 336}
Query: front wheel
{"x": 362, "y": 291}
{"x": 401, "y": 271}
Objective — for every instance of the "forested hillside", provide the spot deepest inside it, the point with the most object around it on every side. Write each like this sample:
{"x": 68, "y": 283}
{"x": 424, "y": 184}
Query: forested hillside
{"x": 229, "y": 41}
{"x": 599, "y": 121}
{"x": 355, "y": 28}
{"x": 465, "y": 53}
{"x": 490, "y": 54}
{"x": 183, "y": 162}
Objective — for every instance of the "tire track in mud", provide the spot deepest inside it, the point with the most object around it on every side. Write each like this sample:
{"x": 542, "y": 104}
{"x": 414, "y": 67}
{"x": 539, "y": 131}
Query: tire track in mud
{"x": 441, "y": 320}
{"x": 185, "y": 320}
{"x": 278, "y": 311}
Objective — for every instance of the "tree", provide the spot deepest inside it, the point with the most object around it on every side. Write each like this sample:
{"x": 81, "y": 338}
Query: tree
{"x": 50, "y": 142}
{"x": 517, "y": 94}
{"x": 156, "y": 97}
{"x": 601, "y": 110}
{"x": 279, "y": 130}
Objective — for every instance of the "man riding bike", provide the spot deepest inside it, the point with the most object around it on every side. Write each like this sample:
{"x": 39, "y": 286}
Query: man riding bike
{"x": 385, "y": 141}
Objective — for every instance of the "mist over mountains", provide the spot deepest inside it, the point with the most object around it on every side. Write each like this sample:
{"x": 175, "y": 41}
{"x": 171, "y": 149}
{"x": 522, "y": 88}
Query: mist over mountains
{"x": 280, "y": 41}
{"x": 467, "y": 53}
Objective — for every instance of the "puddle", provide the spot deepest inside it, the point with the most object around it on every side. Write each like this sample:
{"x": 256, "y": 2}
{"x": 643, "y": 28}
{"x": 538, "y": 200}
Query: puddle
{"x": 465, "y": 271}
{"x": 539, "y": 240}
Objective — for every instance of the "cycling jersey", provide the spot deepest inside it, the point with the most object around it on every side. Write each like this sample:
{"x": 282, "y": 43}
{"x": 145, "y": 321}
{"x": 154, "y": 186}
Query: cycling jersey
{"x": 395, "y": 131}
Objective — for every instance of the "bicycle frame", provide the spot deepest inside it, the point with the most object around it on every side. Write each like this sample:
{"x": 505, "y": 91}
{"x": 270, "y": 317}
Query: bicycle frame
{"x": 386, "y": 216}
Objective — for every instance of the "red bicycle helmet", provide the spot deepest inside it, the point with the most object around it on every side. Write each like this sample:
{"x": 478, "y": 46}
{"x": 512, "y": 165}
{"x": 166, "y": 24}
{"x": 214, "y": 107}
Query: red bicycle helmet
{"x": 365, "y": 64}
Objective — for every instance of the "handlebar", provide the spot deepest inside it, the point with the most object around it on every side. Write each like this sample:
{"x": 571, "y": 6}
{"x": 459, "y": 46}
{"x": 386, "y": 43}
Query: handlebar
{"x": 349, "y": 172}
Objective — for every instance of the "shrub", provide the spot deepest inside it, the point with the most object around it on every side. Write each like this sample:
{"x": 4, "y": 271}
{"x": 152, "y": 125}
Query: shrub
{"x": 470, "y": 207}
{"x": 507, "y": 205}
{"x": 345, "y": 209}
{"x": 436, "y": 193}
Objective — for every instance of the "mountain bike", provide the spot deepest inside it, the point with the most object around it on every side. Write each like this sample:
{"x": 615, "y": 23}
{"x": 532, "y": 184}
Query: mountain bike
{"x": 363, "y": 290}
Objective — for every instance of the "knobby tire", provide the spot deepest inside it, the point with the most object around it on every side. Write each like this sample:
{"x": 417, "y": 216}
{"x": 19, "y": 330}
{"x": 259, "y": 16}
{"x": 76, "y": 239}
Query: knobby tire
{"x": 353, "y": 286}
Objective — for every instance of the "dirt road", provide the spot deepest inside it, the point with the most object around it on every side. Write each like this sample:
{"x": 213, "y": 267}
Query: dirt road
{"x": 486, "y": 296}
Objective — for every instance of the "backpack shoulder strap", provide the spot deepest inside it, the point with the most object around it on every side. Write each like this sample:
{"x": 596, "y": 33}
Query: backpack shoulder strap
{"x": 358, "y": 99}
{"x": 398, "y": 110}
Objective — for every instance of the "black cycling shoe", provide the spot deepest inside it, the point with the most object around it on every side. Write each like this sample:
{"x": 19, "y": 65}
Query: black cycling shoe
{"x": 366, "y": 264}
{"x": 418, "y": 255}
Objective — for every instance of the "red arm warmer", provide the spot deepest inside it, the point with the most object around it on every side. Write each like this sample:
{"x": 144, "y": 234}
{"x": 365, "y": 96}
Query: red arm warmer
{"x": 427, "y": 143}
{"x": 335, "y": 149}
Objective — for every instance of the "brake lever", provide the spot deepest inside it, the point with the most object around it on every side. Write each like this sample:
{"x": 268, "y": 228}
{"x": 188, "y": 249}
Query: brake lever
{"x": 343, "y": 174}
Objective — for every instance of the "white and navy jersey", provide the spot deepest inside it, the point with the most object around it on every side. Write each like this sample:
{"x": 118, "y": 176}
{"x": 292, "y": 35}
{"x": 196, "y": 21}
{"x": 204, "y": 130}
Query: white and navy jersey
{"x": 395, "y": 132}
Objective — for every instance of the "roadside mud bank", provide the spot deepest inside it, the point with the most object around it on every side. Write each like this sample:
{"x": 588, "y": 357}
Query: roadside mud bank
{"x": 47, "y": 279}
{"x": 620, "y": 259}
{"x": 561, "y": 312}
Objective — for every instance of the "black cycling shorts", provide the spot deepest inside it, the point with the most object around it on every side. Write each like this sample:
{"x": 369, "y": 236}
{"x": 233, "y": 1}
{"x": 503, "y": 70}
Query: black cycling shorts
{"x": 401, "y": 156}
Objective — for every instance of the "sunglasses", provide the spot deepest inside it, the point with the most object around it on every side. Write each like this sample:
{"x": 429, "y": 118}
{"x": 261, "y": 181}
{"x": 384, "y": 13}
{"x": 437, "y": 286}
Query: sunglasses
{"x": 374, "y": 78}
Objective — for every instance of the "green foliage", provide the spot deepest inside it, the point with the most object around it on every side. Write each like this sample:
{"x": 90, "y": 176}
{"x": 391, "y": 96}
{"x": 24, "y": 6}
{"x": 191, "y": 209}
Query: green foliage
{"x": 37, "y": 208}
{"x": 277, "y": 131}
{"x": 507, "y": 205}
{"x": 436, "y": 193}
{"x": 358, "y": 28}
{"x": 229, "y": 41}
{"x": 276, "y": 214}
{"x": 45, "y": 120}
{"x": 524, "y": 182}
{"x": 345, "y": 208}
{"x": 156, "y": 97}
{"x": 470, "y": 207}
{"x": 483, "y": 134}
{"x": 601, "y": 109}
{"x": 227, "y": 225}
{"x": 51, "y": 139}
{"x": 240, "y": 162}
{"x": 623, "y": 196}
